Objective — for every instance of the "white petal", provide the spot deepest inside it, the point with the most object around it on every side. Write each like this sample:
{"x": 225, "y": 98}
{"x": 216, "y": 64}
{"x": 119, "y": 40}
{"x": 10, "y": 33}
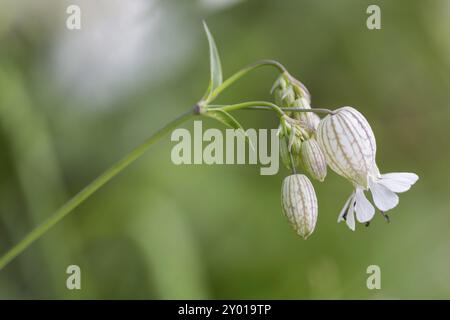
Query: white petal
{"x": 345, "y": 209}
{"x": 384, "y": 198}
{"x": 375, "y": 171}
{"x": 399, "y": 181}
{"x": 364, "y": 209}
{"x": 350, "y": 219}
{"x": 394, "y": 185}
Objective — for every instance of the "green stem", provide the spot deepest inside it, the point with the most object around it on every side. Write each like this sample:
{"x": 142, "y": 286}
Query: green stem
{"x": 90, "y": 189}
{"x": 242, "y": 73}
{"x": 264, "y": 105}
{"x": 315, "y": 110}
{"x": 250, "y": 105}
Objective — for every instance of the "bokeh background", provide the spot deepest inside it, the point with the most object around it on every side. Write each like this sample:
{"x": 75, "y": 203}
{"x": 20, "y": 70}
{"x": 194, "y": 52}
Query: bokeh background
{"x": 74, "y": 102}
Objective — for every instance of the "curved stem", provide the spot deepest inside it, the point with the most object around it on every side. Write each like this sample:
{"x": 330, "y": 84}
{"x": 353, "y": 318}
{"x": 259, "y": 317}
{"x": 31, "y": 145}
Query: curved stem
{"x": 250, "y": 105}
{"x": 90, "y": 189}
{"x": 228, "y": 82}
{"x": 264, "y": 105}
{"x": 315, "y": 110}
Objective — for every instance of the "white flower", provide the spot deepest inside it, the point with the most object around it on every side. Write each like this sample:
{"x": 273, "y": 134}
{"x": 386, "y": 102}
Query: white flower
{"x": 299, "y": 203}
{"x": 350, "y": 149}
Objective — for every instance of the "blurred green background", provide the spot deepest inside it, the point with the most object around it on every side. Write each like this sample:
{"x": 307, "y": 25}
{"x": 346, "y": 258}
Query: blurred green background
{"x": 74, "y": 102}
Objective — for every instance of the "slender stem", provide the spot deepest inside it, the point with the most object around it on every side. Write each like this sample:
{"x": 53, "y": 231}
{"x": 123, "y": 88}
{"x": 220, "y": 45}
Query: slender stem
{"x": 250, "y": 105}
{"x": 90, "y": 189}
{"x": 291, "y": 157}
{"x": 242, "y": 73}
{"x": 264, "y": 105}
{"x": 315, "y": 110}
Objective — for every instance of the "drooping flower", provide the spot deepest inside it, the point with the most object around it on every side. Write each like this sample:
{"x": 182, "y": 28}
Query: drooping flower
{"x": 299, "y": 203}
{"x": 350, "y": 149}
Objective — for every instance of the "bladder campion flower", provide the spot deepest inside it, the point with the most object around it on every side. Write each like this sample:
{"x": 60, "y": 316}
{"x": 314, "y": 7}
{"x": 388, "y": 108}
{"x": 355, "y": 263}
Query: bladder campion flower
{"x": 350, "y": 149}
{"x": 299, "y": 203}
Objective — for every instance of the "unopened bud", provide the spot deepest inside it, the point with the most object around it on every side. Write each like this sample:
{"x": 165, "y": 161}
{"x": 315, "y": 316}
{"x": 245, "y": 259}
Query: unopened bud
{"x": 313, "y": 159}
{"x": 291, "y": 93}
{"x": 285, "y": 155}
{"x": 287, "y": 90}
{"x": 310, "y": 119}
{"x": 299, "y": 204}
{"x": 283, "y": 92}
{"x": 291, "y": 137}
{"x": 300, "y": 89}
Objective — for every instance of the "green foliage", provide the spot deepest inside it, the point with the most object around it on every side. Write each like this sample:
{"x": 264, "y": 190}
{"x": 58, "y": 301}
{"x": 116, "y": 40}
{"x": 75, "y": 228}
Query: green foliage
{"x": 216, "y": 77}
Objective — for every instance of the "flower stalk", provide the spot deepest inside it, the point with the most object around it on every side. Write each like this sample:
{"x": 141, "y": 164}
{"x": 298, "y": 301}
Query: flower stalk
{"x": 91, "y": 188}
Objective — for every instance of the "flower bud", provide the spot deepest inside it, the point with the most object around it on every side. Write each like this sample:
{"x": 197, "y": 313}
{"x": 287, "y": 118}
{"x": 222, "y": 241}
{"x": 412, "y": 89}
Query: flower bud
{"x": 287, "y": 90}
{"x": 348, "y": 144}
{"x": 299, "y": 204}
{"x": 286, "y": 156}
{"x": 283, "y": 92}
{"x": 291, "y": 136}
{"x": 299, "y": 88}
{"x": 310, "y": 119}
{"x": 313, "y": 159}
{"x": 291, "y": 93}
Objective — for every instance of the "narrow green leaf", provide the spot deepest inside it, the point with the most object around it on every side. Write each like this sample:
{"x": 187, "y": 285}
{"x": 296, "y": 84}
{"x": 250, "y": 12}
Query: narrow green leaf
{"x": 228, "y": 120}
{"x": 215, "y": 65}
{"x": 224, "y": 117}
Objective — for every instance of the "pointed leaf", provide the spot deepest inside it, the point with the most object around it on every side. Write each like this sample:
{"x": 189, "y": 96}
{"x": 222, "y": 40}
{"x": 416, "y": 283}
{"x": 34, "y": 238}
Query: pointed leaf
{"x": 215, "y": 65}
{"x": 224, "y": 117}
